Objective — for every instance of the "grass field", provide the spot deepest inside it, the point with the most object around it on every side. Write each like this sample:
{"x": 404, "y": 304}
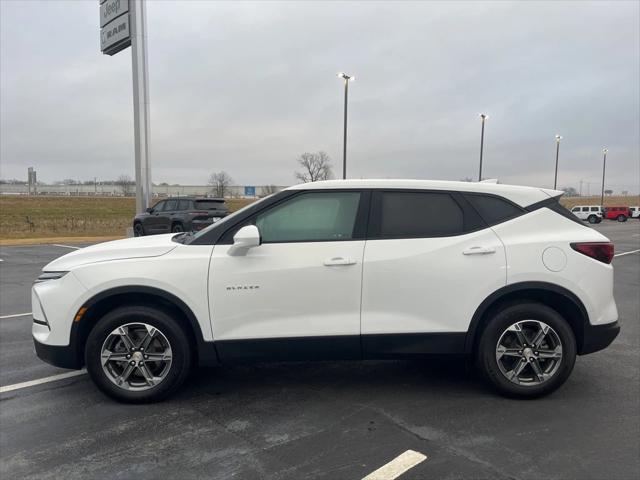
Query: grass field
{"x": 42, "y": 217}
{"x": 38, "y": 217}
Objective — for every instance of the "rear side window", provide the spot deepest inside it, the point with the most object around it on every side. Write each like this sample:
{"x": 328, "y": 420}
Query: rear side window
{"x": 210, "y": 204}
{"x": 417, "y": 214}
{"x": 494, "y": 210}
{"x": 183, "y": 205}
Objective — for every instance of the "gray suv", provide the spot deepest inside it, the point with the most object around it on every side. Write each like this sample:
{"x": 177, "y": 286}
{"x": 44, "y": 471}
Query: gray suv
{"x": 182, "y": 214}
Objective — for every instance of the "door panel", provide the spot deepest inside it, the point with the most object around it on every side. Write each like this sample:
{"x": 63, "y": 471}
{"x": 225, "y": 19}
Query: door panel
{"x": 286, "y": 290}
{"x": 428, "y": 285}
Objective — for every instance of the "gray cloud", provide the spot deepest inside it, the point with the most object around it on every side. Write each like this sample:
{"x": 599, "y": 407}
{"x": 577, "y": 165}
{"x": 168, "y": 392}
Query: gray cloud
{"x": 246, "y": 87}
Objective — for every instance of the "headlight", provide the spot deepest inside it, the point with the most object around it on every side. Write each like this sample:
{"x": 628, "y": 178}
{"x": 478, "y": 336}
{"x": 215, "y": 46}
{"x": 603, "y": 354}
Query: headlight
{"x": 50, "y": 276}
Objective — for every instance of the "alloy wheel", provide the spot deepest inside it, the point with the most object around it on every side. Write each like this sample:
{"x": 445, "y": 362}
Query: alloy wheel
{"x": 529, "y": 352}
{"x": 136, "y": 356}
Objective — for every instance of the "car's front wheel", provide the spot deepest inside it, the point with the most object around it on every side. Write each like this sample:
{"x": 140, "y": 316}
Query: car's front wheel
{"x": 622, "y": 218}
{"x": 177, "y": 228}
{"x": 593, "y": 219}
{"x": 138, "y": 354}
{"x": 526, "y": 350}
{"x": 138, "y": 230}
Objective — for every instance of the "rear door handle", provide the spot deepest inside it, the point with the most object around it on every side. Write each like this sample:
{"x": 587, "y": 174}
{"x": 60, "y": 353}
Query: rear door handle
{"x": 478, "y": 251}
{"x": 336, "y": 261}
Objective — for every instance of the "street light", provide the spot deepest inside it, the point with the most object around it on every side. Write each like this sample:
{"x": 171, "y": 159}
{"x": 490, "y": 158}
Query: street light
{"x": 483, "y": 117}
{"x": 555, "y": 179}
{"x": 347, "y": 79}
{"x": 604, "y": 166}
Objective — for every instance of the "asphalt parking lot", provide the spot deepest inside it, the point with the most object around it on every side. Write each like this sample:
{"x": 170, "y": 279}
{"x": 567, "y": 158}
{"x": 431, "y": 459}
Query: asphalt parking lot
{"x": 322, "y": 420}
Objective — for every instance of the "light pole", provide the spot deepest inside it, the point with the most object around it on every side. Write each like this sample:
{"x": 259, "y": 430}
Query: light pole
{"x": 483, "y": 117}
{"x": 555, "y": 178}
{"x": 347, "y": 79}
{"x": 604, "y": 166}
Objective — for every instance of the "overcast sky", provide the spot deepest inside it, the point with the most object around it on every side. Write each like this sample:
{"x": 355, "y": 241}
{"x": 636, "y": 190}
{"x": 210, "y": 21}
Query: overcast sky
{"x": 247, "y": 87}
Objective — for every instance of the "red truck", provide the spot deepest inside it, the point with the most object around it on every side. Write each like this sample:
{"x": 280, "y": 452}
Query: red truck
{"x": 620, "y": 214}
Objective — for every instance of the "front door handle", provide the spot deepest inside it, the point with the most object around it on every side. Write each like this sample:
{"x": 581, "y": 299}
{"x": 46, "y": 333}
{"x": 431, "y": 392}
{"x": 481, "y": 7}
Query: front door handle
{"x": 336, "y": 261}
{"x": 478, "y": 251}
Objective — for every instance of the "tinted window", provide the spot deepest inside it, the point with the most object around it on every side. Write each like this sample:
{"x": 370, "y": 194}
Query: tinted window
{"x": 494, "y": 209}
{"x": 311, "y": 217}
{"x": 585, "y": 209}
{"x": 595, "y": 209}
{"x": 170, "y": 205}
{"x": 416, "y": 214}
{"x": 184, "y": 205}
{"x": 575, "y": 209}
{"x": 159, "y": 207}
{"x": 210, "y": 204}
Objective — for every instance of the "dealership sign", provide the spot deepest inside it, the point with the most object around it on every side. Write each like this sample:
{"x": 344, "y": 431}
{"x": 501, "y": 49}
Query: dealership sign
{"x": 115, "y": 29}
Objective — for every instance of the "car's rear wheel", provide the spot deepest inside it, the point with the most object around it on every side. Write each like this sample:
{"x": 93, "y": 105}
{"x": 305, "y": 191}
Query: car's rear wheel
{"x": 177, "y": 228}
{"x": 526, "y": 350}
{"x": 592, "y": 219}
{"x": 138, "y": 230}
{"x": 622, "y": 218}
{"x": 138, "y": 354}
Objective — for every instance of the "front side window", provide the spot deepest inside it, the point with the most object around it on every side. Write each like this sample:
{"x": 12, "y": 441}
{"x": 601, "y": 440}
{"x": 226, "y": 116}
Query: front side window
{"x": 595, "y": 209}
{"x": 326, "y": 216}
{"x": 170, "y": 205}
{"x": 417, "y": 214}
{"x": 159, "y": 207}
{"x": 575, "y": 209}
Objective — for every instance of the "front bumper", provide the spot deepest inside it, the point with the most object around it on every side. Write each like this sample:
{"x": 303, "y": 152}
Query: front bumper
{"x": 58, "y": 356}
{"x": 598, "y": 337}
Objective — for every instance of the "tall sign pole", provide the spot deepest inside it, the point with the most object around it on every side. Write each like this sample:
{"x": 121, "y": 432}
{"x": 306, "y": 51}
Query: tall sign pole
{"x": 123, "y": 23}
{"x": 139, "y": 67}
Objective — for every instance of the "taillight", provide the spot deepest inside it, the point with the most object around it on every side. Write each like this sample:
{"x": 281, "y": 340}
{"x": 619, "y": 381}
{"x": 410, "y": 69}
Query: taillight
{"x": 602, "y": 251}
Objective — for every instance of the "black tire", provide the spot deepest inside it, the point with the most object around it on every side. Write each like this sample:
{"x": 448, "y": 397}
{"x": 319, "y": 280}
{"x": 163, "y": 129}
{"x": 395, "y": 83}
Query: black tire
{"x": 593, "y": 219}
{"x": 500, "y": 321}
{"x": 622, "y": 218}
{"x": 177, "y": 228}
{"x": 181, "y": 353}
{"x": 138, "y": 230}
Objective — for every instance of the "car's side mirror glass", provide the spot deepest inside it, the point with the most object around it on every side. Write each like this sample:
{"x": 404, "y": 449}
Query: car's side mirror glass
{"x": 245, "y": 239}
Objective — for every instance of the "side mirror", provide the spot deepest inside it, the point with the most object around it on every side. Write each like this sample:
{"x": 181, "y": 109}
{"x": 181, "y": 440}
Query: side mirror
{"x": 149, "y": 210}
{"x": 245, "y": 239}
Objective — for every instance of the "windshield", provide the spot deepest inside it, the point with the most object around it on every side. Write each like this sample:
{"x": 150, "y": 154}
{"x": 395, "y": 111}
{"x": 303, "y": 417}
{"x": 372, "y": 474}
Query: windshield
{"x": 222, "y": 221}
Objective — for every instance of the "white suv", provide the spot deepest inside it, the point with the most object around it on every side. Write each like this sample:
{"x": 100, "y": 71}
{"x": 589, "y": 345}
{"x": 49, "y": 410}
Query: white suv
{"x": 590, "y": 213}
{"x": 356, "y": 269}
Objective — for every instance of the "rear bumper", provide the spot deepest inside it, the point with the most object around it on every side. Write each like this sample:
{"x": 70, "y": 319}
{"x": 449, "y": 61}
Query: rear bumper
{"x": 58, "y": 356}
{"x": 598, "y": 337}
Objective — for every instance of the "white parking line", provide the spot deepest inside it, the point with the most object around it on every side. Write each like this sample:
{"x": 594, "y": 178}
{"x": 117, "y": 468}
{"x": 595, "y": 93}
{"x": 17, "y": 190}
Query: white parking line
{"x": 40, "y": 381}
{"x": 16, "y": 315}
{"x": 397, "y": 466}
{"x": 626, "y": 253}
{"x": 66, "y": 246}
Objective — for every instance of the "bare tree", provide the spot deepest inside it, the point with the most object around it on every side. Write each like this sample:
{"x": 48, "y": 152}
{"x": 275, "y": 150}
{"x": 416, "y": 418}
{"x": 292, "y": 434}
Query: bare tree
{"x": 125, "y": 183}
{"x": 220, "y": 182}
{"x": 315, "y": 167}
{"x": 608, "y": 192}
{"x": 269, "y": 189}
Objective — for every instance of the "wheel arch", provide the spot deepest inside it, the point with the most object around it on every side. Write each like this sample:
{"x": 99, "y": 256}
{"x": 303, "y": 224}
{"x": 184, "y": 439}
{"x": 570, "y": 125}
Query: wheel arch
{"x": 559, "y": 298}
{"x": 98, "y": 305}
